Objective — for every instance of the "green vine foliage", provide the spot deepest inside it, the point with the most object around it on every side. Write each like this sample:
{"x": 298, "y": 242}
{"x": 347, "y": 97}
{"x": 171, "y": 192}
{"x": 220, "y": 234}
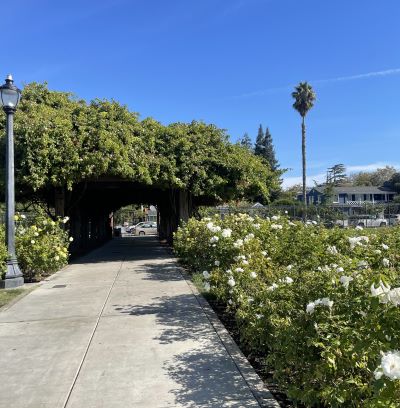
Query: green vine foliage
{"x": 61, "y": 141}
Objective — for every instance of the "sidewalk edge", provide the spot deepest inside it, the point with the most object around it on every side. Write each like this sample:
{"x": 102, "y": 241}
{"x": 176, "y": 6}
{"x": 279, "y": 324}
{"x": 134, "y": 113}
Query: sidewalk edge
{"x": 254, "y": 382}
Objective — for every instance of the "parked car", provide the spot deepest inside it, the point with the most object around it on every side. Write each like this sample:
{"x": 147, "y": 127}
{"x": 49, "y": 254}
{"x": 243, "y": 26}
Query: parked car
{"x": 394, "y": 219}
{"x": 130, "y": 229}
{"x": 369, "y": 221}
{"x": 343, "y": 223}
{"x": 145, "y": 228}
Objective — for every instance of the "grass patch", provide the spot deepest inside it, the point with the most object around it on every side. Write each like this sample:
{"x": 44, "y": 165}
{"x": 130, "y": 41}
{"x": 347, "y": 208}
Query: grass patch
{"x": 6, "y": 295}
{"x": 197, "y": 279}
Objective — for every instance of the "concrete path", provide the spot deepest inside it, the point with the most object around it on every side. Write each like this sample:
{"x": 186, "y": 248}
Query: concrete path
{"x": 120, "y": 328}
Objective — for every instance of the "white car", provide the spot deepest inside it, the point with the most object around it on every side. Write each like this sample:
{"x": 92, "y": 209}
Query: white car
{"x": 370, "y": 221}
{"x": 344, "y": 223}
{"x": 145, "y": 228}
{"x": 394, "y": 219}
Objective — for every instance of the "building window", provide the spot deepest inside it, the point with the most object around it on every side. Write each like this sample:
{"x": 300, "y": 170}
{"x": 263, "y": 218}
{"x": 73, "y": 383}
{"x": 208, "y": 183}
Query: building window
{"x": 353, "y": 197}
{"x": 365, "y": 197}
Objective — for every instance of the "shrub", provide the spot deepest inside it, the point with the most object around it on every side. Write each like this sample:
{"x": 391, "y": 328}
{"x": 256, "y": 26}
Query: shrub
{"x": 316, "y": 303}
{"x": 41, "y": 246}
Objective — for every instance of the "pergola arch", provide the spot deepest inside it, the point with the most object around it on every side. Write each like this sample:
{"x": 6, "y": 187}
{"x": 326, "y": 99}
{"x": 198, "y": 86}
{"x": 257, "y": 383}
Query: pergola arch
{"x": 90, "y": 204}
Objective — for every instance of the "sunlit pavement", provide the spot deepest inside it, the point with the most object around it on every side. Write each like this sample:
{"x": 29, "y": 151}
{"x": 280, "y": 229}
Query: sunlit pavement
{"x": 120, "y": 327}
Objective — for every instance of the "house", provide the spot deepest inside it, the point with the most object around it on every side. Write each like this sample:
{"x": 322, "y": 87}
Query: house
{"x": 151, "y": 213}
{"x": 349, "y": 196}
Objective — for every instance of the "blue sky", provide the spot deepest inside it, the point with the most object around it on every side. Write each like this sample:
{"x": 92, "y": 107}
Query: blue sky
{"x": 233, "y": 63}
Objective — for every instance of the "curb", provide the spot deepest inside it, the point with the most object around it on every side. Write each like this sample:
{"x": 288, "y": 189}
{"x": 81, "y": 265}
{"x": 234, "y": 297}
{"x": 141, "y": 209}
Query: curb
{"x": 262, "y": 394}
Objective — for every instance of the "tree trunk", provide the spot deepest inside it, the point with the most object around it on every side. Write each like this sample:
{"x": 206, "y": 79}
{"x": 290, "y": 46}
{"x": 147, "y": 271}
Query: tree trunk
{"x": 303, "y": 153}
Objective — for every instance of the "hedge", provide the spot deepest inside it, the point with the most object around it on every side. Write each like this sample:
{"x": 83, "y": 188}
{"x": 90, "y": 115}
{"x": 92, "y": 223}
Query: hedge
{"x": 321, "y": 306}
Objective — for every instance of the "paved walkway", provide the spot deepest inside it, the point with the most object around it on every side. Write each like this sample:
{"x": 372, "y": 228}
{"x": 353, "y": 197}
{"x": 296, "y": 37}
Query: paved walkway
{"x": 119, "y": 328}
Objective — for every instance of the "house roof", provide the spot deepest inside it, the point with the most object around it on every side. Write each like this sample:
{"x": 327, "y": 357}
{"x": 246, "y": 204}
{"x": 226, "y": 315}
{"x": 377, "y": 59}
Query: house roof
{"x": 257, "y": 205}
{"x": 357, "y": 190}
{"x": 308, "y": 189}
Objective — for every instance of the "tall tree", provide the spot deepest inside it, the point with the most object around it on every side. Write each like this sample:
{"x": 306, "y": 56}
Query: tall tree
{"x": 269, "y": 151}
{"x": 259, "y": 146}
{"x": 379, "y": 177}
{"x": 382, "y": 175}
{"x": 394, "y": 182}
{"x": 304, "y": 98}
{"x": 245, "y": 141}
{"x": 336, "y": 174}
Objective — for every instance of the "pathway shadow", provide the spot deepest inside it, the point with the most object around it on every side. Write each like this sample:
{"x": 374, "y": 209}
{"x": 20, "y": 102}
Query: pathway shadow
{"x": 125, "y": 249}
{"x": 208, "y": 378}
{"x": 205, "y": 376}
{"x": 180, "y": 317}
{"x": 167, "y": 271}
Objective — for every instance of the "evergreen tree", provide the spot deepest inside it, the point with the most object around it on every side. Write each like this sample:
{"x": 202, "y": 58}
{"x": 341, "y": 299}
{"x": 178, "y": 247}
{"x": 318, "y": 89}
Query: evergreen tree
{"x": 269, "y": 151}
{"x": 260, "y": 146}
{"x": 336, "y": 174}
{"x": 245, "y": 141}
{"x": 394, "y": 182}
{"x": 265, "y": 149}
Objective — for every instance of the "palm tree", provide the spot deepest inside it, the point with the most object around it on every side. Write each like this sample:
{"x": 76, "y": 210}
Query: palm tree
{"x": 304, "y": 97}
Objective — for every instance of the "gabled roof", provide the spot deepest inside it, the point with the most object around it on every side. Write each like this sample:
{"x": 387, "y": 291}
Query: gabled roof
{"x": 257, "y": 205}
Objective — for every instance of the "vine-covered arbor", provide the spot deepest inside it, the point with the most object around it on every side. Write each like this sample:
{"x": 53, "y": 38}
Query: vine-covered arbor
{"x": 98, "y": 199}
{"x": 86, "y": 160}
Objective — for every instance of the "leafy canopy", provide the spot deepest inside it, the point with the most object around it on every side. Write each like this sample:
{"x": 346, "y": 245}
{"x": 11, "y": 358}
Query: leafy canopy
{"x": 61, "y": 141}
{"x": 304, "y": 97}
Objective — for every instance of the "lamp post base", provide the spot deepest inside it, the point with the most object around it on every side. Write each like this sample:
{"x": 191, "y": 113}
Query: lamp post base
{"x": 13, "y": 277}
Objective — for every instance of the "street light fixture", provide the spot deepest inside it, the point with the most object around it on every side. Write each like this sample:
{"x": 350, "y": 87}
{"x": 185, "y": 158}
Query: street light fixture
{"x": 9, "y": 99}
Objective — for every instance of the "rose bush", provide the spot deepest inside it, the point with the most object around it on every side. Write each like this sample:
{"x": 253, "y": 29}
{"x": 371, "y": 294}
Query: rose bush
{"x": 320, "y": 305}
{"x": 41, "y": 246}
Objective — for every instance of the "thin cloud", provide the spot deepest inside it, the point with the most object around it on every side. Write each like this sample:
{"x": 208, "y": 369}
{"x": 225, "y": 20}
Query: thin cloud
{"x": 321, "y": 177}
{"x": 371, "y": 167}
{"x": 260, "y": 92}
{"x": 291, "y": 181}
{"x": 386, "y": 72}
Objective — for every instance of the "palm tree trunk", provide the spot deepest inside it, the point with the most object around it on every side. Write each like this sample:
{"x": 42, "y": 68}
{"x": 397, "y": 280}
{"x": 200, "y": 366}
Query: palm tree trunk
{"x": 303, "y": 153}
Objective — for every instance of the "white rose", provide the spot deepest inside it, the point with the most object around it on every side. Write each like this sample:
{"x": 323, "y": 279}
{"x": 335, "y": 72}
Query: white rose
{"x": 206, "y": 275}
{"x": 345, "y": 281}
{"x": 226, "y": 233}
{"x": 310, "y": 308}
{"x": 390, "y": 364}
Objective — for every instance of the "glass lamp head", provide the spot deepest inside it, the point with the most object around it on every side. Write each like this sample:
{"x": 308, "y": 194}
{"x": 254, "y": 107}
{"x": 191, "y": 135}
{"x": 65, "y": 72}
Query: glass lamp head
{"x": 9, "y": 95}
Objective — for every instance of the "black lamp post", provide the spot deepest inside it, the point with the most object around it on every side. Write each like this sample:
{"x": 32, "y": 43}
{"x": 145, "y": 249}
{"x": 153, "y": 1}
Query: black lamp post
{"x": 9, "y": 98}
